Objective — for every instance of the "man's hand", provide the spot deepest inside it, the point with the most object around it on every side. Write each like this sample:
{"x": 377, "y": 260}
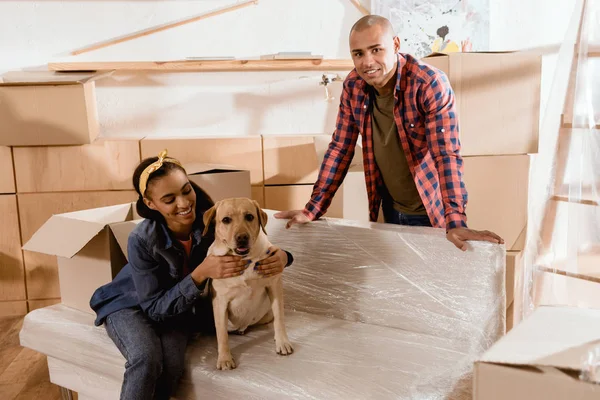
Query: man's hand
{"x": 459, "y": 236}
{"x": 294, "y": 216}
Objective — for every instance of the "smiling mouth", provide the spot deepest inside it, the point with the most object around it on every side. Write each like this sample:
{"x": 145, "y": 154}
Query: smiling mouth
{"x": 371, "y": 71}
{"x": 186, "y": 212}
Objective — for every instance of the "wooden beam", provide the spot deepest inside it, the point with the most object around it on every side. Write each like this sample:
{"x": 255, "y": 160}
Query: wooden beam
{"x": 164, "y": 27}
{"x": 207, "y": 65}
{"x": 360, "y": 7}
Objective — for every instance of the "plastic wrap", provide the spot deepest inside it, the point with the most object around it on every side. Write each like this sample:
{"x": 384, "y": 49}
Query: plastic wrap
{"x": 374, "y": 311}
{"x": 561, "y": 262}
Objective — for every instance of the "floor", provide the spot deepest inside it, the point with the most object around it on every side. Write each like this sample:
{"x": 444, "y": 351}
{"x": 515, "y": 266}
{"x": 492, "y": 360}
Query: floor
{"x": 23, "y": 372}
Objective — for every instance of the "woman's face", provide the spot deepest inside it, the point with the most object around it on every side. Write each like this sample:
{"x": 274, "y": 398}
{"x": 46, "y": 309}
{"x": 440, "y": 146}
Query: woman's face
{"x": 172, "y": 195}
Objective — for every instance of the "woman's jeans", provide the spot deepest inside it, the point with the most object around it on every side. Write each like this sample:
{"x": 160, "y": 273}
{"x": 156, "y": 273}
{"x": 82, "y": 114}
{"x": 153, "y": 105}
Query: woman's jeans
{"x": 154, "y": 354}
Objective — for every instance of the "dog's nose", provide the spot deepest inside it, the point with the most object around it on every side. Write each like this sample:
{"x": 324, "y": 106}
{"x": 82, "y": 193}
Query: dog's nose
{"x": 242, "y": 238}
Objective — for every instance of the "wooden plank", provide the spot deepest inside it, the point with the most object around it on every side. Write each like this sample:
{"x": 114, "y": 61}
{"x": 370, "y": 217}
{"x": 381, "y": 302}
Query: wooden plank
{"x": 35, "y": 304}
{"x": 360, "y": 7}
{"x": 240, "y": 152}
{"x": 12, "y": 272}
{"x": 103, "y": 165}
{"x": 206, "y": 65}
{"x": 290, "y": 160}
{"x": 34, "y": 209}
{"x": 166, "y": 26}
{"x": 7, "y": 174}
{"x": 11, "y": 308}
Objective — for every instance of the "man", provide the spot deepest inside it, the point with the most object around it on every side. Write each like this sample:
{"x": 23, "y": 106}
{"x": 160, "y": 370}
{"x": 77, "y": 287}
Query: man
{"x": 404, "y": 110}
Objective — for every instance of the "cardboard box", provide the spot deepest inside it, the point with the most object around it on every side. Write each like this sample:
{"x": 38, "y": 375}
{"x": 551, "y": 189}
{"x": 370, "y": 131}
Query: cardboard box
{"x": 35, "y": 210}
{"x": 102, "y": 165}
{"x": 350, "y": 201}
{"x": 498, "y": 194}
{"x": 12, "y": 273}
{"x": 35, "y": 304}
{"x": 497, "y": 100}
{"x": 296, "y": 159}
{"x": 91, "y": 248}
{"x": 220, "y": 181}
{"x": 7, "y": 173}
{"x": 541, "y": 358}
{"x": 258, "y": 194}
{"x": 240, "y": 152}
{"x": 45, "y": 108}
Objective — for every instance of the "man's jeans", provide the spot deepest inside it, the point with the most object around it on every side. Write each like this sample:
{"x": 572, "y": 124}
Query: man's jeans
{"x": 391, "y": 216}
{"x": 154, "y": 354}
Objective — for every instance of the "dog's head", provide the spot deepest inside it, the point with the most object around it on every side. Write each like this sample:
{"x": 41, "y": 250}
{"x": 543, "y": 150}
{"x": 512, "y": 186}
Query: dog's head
{"x": 238, "y": 222}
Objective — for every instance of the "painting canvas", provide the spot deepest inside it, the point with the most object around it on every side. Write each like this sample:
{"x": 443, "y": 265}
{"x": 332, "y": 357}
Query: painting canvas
{"x": 445, "y": 26}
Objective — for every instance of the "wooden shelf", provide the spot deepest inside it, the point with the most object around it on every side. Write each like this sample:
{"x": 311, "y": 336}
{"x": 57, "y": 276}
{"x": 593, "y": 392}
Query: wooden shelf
{"x": 207, "y": 65}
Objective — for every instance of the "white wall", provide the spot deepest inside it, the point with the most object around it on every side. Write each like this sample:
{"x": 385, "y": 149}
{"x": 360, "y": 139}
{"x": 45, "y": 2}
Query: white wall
{"x": 33, "y": 33}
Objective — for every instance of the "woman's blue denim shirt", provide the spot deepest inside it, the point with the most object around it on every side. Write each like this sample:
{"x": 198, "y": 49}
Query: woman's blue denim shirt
{"x": 152, "y": 279}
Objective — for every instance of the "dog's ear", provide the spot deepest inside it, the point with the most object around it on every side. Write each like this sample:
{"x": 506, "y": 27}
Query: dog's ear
{"x": 209, "y": 218}
{"x": 262, "y": 216}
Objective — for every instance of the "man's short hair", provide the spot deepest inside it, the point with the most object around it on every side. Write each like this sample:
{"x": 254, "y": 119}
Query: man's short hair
{"x": 371, "y": 20}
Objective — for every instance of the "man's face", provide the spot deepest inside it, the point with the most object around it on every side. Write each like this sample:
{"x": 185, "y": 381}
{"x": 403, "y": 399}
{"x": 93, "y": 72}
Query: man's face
{"x": 374, "y": 54}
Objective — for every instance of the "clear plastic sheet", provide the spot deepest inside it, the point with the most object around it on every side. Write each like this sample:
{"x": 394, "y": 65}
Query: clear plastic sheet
{"x": 561, "y": 262}
{"x": 374, "y": 311}
{"x": 591, "y": 367}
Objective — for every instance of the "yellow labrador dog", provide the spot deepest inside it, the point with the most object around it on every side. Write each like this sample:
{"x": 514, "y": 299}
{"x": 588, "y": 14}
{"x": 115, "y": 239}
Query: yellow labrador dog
{"x": 248, "y": 299}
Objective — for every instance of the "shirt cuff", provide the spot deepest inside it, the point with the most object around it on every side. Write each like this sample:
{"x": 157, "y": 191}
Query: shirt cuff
{"x": 189, "y": 290}
{"x": 455, "y": 220}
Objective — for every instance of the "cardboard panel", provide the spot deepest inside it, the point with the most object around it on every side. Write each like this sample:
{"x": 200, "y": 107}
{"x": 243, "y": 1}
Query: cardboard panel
{"x": 7, "y": 173}
{"x": 103, "y": 165}
{"x": 12, "y": 308}
{"x": 498, "y": 192}
{"x": 35, "y": 304}
{"x": 350, "y": 201}
{"x": 41, "y": 115}
{"x": 258, "y": 194}
{"x": 12, "y": 273}
{"x": 223, "y": 184}
{"x": 240, "y": 152}
{"x": 497, "y": 98}
{"x": 290, "y": 160}
{"x": 35, "y": 208}
{"x": 513, "y": 260}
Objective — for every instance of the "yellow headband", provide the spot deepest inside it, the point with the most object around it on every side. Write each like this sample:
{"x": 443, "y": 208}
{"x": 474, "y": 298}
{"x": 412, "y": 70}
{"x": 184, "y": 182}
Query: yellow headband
{"x": 155, "y": 166}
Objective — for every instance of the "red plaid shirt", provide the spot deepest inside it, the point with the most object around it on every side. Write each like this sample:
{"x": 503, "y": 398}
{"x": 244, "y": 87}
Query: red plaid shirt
{"x": 428, "y": 128}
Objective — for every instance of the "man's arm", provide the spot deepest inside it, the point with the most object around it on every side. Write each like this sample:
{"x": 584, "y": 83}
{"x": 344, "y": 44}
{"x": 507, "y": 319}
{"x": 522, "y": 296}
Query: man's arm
{"x": 336, "y": 161}
{"x": 441, "y": 124}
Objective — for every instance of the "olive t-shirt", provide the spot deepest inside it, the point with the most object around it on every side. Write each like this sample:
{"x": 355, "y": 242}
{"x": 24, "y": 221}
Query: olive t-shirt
{"x": 391, "y": 160}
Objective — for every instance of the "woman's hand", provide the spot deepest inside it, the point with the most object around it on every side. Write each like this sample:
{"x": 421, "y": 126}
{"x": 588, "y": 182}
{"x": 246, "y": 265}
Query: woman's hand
{"x": 274, "y": 264}
{"x": 218, "y": 267}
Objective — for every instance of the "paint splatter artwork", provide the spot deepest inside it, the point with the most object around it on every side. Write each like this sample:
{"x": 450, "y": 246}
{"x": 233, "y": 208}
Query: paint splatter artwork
{"x": 445, "y": 26}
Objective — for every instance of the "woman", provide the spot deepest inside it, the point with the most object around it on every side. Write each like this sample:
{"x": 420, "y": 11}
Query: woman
{"x": 161, "y": 296}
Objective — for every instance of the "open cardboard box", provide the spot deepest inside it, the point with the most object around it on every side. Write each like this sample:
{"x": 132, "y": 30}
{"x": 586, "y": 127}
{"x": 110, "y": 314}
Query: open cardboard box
{"x": 91, "y": 245}
{"x": 43, "y": 108}
{"x": 497, "y": 99}
{"x": 541, "y": 358}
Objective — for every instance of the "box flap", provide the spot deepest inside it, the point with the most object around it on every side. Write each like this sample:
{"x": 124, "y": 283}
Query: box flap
{"x": 202, "y": 168}
{"x": 64, "y": 235}
{"x": 551, "y": 336}
{"x": 121, "y": 230}
{"x": 36, "y": 78}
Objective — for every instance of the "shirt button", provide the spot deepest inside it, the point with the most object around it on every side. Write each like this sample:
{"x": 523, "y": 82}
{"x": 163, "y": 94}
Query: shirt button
{"x": 365, "y": 106}
{"x": 442, "y": 130}
{"x": 412, "y": 125}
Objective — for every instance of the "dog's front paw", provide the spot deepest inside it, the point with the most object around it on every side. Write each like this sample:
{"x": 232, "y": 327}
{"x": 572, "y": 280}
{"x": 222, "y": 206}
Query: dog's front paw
{"x": 283, "y": 347}
{"x": 225, "y": 363}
